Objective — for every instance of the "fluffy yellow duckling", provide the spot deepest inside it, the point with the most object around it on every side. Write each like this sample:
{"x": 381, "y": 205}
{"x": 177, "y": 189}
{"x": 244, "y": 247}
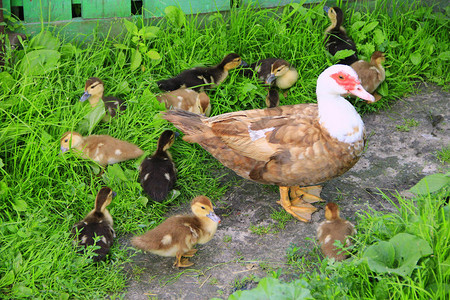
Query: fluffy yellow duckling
{"x": 103, "y": 149}
{"x": 97, "y": 223}
{"x": 157, "y": 173}
{"x": 93, "y": 90}
{"x": 372, "y": 73}
{"x": 187, "y": 99}
{"x": 202, "y": 77}
{"x": 334, "y": 229}
{"x": 178, "y": 234}
{"x": 336, "y": 37}
{"x": 274, "y": 71}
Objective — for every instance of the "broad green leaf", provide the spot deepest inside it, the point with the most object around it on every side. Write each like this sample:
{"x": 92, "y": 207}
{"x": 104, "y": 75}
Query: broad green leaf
{"x": 248, "y": 87}
{"x": 17, "y": 263}
{"x": 150, "y": 31}
{"x": 39, "y": 62}
{"x": 116, "y": 172}
{"x": 91, "y": 120}
{"x": 6, "y": 82}
{"x": 153, "y": 54}
{"x": 121, "y": 46}
{"x": 394, "y": 44}
{"x": 430, "y": 184}
{"x": 415, "y": 58}
{"x": 121, "y": 59}
{"x": 444, "y": 55}
{"x": 378, "y": 36}
{"x": 68, "y": 51}
{"x": 123, "y": 87}
{"x": 20, "y": 205}
{"x": 343, "y": 54}
{"x": 136, "y": 59}
{"x": 44, "y": 40}
{"x": 369, "y": 27}
{"x": 1, "y": 163}
{"x": 130, "y": 26}
{"x": 7, "y": 279}
{"x": 175, "y": 16}
{"x": 398, "y": 256}
{"x": 383, "y": 89}
{"x": 21, "y": 290}
{"x": 357, "y": 25}
{"x": 142, "y": 200}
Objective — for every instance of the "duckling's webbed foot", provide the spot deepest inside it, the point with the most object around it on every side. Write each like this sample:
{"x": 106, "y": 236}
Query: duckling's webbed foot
{"x": 308, "y": 194}
{"x": 299, "y": 208}
{"x": 189, "y": 253}
{"x": 182, "y": 262}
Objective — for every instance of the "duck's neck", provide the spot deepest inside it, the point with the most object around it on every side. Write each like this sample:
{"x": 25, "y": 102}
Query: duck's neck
{"x": 94, "y": 100}
{"x": 210, "y": 227}
{"x": 339, "y": 118}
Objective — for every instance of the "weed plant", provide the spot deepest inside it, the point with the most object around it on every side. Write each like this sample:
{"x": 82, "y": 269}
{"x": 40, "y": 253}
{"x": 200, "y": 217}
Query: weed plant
{"x": 43, "y": 193}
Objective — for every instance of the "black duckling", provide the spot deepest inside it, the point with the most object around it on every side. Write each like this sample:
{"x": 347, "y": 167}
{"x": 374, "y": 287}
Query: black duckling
{"x": 157, "y": 172}
{"x": 202, "y": 77}
{"x": 93, "y": 90}
{"x": 334, "y": 229}
{"x": 178, "y": 235}
{"x": 97, "y": 223}
{"x": 273, "y": 98}
{"x": 273, "y": 71}
{"x": 336, "y": 37}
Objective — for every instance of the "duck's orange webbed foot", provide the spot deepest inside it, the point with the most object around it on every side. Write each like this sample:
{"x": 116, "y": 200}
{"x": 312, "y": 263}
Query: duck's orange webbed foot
{"x": 299, "y": 208}
{"x": 308, "y": 194}
{"x": 189, "y": 253}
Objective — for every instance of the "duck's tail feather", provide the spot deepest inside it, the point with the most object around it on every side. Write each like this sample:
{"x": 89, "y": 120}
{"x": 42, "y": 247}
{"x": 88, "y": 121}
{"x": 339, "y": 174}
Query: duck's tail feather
{"x": 190, "y": 124}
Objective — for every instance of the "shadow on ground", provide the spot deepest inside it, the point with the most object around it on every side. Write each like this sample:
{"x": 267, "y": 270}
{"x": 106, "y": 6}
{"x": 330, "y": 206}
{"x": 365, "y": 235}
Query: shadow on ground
{"x": 395, "y": 160}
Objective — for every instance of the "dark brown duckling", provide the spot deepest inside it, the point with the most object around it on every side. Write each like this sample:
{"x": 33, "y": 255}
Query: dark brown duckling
{"x": 202, "y": 77}
{"x": 157, "y": 172}
{"x": 93, "y": 90}
{"x": 336, "y": 37}
{"x": 273, "y": 98}
{"x": 334, "y": 229}
{"x": 97, "y": 224}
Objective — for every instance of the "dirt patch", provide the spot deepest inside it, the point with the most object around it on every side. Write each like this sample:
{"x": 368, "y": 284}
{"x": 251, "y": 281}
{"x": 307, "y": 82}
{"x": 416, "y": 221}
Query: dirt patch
{"x": 401, "y": 150}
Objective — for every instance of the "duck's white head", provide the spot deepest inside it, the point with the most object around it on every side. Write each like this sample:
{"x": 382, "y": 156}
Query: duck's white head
{"x": 341, "y": 80}
{"x": 336, "y": 114}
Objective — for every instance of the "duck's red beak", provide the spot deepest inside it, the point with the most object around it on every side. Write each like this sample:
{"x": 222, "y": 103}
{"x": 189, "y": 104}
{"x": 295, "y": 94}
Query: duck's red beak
{"x": 360, "y": 92}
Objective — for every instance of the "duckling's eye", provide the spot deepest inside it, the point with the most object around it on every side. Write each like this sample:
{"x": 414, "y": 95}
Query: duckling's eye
{"x": 66, "y": 140}
{"x": 203, "y": 207}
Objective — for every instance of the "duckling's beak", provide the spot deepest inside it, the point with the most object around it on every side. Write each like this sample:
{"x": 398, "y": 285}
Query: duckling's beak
{"x": 113, "y": 194}
{"x": 326, "y": 8}
{"x": 177, "y": 134}
{"x": 270, "y": 79}
{"x": 213, "y": 217}
{"x": 85, "y": 96}
{"x": 243, "y": 63}
{"x": 63, "y": 149}
{"x": 360, "y": 92}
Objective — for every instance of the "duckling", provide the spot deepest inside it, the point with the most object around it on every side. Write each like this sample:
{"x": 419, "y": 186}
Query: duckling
{"x": 103, "y": 149}
{"x": 97, "y": 223}
{"x": 336, "y": 37}
{"x": 274, "y": 71}
{"x": 157, "y": 173}
{"x": 333, "y": 229}
{"x": 202, "y": 77}
{"x": 372, "y": 73}
{"x": 177, "y": 235}
{"x": 93, "y": 90}
{"x": 187, "y": 99}
{"x": 273, "y": 98}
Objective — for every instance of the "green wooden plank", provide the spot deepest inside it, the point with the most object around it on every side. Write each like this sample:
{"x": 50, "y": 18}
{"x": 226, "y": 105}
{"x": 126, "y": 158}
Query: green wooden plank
{"x": 6, "y": 7}
{"x": 275, "y": 3}
{"x": 16, "y": 2}
{"x": 105, "y": 9}
{"x": 76, "y": 1}
{"x": 155, "y": 8}
{"x": 34, "y": 10}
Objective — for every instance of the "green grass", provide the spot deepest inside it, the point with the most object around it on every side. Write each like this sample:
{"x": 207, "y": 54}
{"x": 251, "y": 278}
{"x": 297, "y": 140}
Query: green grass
{"x": 43, "y": 193}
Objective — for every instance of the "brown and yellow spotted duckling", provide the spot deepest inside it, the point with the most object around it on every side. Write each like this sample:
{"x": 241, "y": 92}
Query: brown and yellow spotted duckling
{"x": 93, "y": 91}
{"x": 177, "y": 235}
{"x": 157, "y": 173}
{"x": 187, "y": 99}
{"x": 103, "y": 149}
{"x": 202, "y": 77}
{"x": 98, "y": 223}
{"x": 372, "y": 73}
{"x": 334, "y": 229}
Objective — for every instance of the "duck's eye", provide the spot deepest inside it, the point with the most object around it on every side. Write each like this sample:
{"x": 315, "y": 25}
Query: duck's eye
{"x": 66, "y": 140}
{"x": 341, "y": 77}
{"x": 203, "y": 207}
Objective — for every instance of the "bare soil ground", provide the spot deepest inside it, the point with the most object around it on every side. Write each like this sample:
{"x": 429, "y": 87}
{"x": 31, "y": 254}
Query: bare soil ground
{"x": 394, "y": 161}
